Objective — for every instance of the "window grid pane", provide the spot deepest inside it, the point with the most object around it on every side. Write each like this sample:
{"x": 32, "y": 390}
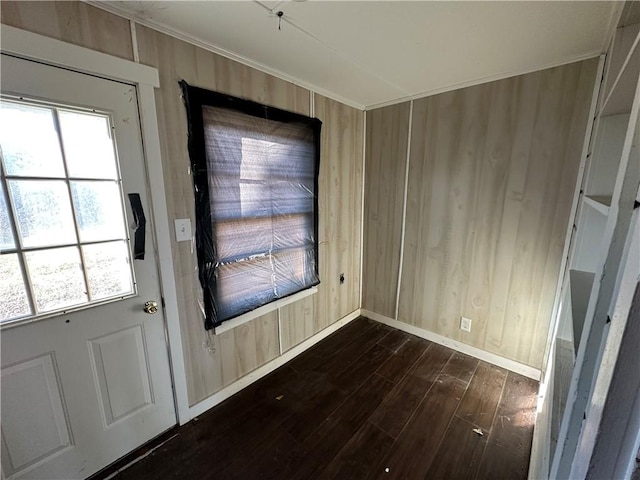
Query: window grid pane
{"x": 57, "y": 279}
{"x": 7, "y": 239}
{"x": 87, "y": 136}
{"x": 108, "y": 269}
{"x": 15, "y": 300}
{"x": 43, "y": 212}
{"x": 97, "y": 214}
{"x": 65, "y": 253}
{"x": 21, "y": 154}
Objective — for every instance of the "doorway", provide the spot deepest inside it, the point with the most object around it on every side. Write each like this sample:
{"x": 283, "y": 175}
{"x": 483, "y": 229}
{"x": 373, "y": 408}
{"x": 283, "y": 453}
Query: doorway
{"x": 85, "y": 367}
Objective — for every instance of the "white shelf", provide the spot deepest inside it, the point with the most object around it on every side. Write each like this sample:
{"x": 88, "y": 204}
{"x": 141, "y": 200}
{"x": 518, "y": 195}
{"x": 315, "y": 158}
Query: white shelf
{"x": 594, "y": 250}
{"x": 618, "y": 57}
{"x": 601, "y": 203}
{"x": 620, "y": 98}
{"x": 606, "y": 154}
{"x": 580, "y": 284}
{"x": 563, "y": 368}
{"x": 588, "y": 241}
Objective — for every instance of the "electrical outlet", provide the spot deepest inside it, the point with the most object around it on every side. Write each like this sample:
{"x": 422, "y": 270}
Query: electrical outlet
{"x": 465, "y": 324}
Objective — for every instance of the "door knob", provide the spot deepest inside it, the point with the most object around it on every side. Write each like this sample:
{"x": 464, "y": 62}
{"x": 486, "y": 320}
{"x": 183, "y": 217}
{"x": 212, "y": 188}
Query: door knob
{"x": 151, "y": 307}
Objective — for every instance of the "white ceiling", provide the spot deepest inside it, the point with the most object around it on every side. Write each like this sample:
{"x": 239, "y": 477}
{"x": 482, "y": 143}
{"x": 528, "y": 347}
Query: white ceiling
{"x": 369, "y": 53}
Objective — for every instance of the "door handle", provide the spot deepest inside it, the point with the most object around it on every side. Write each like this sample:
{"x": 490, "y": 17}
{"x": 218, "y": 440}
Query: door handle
{"x": 150, "y": 307}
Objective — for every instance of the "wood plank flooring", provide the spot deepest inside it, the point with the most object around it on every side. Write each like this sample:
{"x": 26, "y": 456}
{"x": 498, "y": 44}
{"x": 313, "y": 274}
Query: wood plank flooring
{"x": 367, "y": 402}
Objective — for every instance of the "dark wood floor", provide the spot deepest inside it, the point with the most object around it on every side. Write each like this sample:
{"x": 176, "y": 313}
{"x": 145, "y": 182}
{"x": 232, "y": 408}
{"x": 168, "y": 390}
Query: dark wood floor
{"x": 367, "y": 402}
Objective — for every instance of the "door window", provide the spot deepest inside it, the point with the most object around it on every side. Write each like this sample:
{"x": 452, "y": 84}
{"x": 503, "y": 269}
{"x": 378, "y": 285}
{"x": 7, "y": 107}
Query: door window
{"x": 63, "y": 235}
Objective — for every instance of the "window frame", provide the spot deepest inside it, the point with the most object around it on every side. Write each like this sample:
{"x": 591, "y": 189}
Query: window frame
{"x": 20, "y": 250}
{"x": 195, "y": 99}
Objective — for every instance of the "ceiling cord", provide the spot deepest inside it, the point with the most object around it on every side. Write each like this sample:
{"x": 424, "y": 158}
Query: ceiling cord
{"x": 280, "y": 14}
{"x": 288, "y": 20}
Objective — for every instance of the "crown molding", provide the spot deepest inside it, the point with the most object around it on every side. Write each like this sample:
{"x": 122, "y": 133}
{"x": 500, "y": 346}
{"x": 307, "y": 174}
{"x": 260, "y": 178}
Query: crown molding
{"x": 486, "y": 79}
{"x": 116, "y": 9}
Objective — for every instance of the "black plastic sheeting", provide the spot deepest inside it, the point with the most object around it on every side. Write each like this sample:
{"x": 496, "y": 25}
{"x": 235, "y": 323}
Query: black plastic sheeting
{"x": 255, "y": 175}
{"x": 141, "y": 226}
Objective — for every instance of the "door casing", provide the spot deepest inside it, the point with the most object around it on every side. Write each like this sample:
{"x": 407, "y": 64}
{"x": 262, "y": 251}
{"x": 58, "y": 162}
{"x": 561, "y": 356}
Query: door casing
{"x": 31, "y": 46}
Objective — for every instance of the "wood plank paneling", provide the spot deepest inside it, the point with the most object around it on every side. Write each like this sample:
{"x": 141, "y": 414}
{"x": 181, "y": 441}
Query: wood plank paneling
{"x": 242, "y": 81}
{"x": 459, "y": 454}
{"x": 248, "y": 346}
{"x": 316, "y": 422}
{"x": 214, "y": 361}
{"x": 385, "y": 171}
{"x": 402, "y": 359}
{"x": 492, "y": 172}
{"x": 176, "y": 60}
{"x": 315, "y": 358}
{"x": 72, "y": 22}
{"x": 415, "y": 449}
{"x": 359, "y": 457}
{"x": 340, "y": 204}
{"x": 461, "y": 366}
{"x": 394, "y": 340}
{"x": 509, "y": 443}
{"x": 394, "y": 413}
{"x": 348, "y": 368}
{"x": 326, "y": 441}
{"x": 480, "y": 401}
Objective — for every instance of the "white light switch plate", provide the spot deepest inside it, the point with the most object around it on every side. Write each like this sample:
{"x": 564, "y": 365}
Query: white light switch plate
{"x": 183, "y": 229}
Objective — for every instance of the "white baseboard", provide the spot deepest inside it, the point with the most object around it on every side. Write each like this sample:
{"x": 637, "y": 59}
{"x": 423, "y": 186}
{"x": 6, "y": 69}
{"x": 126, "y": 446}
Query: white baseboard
{"x": 218, "y": 397}
{"x": 541, "y": 443}
{"x": 489, "y": 357}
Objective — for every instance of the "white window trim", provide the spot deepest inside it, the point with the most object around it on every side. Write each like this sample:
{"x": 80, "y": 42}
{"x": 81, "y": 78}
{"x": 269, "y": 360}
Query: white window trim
{"x": 258, "y": 312}
{"x": 31, "y": 46}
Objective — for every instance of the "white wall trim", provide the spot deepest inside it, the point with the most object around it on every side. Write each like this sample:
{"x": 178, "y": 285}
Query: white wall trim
{"x": 57, "y": 53}
{"x": 134, "y": 41}
{"x": 54, "y": 52}
{"x": 633, "y": 51}
{"x": 483, "y": 355}
{"x": 114, "y": 8}
{"x": 268, "y": 308}
{"x": 280, "y": 343}
{"x": 403, "y": 225}
{"x": 614, "y": 21}
{"x": 540, "y": 448}
{"x": 613, "y": 361}
{"x": 312, "y": 103}
{"x": 163, "y": 234}
{"x": 362, "y": 198}
{"x": 218, "y": 397}
{"x": 588, "y": 356}
{"x": 553, "y": 327}
{"x": 487, "y": 79}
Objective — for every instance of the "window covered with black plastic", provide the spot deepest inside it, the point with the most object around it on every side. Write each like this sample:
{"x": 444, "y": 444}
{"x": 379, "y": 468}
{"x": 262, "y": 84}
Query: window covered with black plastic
{"x": 255, "y": 174}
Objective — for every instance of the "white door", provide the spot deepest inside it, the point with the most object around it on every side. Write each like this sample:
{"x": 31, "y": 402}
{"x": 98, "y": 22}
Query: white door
{"x": 85, "y": 370}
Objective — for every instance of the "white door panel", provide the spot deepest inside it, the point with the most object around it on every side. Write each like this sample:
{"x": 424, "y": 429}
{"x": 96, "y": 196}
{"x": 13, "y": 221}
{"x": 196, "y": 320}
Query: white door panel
{"x": 81, "y": 389}
{"x": 37, "y": 429}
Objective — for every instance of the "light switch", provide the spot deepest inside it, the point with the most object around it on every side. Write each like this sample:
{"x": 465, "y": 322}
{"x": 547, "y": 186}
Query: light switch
{"x": 183, "y": 229}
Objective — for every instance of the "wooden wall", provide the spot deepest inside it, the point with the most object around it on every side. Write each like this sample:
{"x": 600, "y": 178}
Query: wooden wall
{"x": 492, "y": 172}
{"x": 491, "y": 176}
{"x": 73, "y": 22}
{"x": 340, "y": 205}
{"x": 213, "y": 361}
{"x": 386, "y": 152}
